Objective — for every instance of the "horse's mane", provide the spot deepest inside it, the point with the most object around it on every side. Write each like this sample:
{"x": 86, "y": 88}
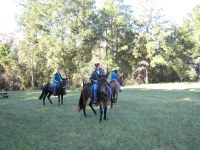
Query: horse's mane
{"x": 102, "y": 79}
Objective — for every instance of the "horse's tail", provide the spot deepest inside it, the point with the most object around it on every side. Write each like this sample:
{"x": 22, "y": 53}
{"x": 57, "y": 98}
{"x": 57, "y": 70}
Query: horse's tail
{"x": 80, "y": 105}
{"x": 43, "y": 91}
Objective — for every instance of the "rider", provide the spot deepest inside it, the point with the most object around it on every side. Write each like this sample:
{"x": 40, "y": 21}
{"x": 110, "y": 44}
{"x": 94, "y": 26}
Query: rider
{"x": 94, "y": 77}
{"x": 56, "y": 78}
{"x": 114, "y": 77}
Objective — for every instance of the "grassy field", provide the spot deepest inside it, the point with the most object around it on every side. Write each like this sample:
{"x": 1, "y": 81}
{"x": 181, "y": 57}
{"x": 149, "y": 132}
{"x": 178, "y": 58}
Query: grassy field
{"x": 152, "y": 117}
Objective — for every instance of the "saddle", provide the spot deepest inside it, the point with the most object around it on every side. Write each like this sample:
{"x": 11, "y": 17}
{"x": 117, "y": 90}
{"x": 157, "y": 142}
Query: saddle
{"x": 91, "y": 87}
{"x": 51, "y": 87}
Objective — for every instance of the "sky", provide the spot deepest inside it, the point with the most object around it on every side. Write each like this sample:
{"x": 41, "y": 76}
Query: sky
{"x": 175, "y": 10}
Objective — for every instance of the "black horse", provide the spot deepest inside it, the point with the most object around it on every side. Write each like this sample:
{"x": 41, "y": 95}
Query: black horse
{"x": 102, "y": 97}
{"x": 47, "y": 91}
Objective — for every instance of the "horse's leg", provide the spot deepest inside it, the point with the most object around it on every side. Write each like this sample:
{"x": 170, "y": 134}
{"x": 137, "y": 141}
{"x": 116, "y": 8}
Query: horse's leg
{"x": 105, "y": 111}
{"x": 62, "y": 99}
{"x": 49, "y": 98}
{"x": 44, "y": 97}
{"x": 116, "y": 96}
{"x": 90, "y": 104}
{"x": 111, "y": 105}
{"x": 84, "y": 106}
{"x": 101, "y": 111}
{"x": 84, "y": 111}
{"x": 58, "y": 100}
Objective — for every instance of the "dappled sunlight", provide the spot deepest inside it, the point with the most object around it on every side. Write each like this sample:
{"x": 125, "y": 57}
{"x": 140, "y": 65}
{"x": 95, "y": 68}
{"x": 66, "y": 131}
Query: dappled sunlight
{"x": 188, "y": 99}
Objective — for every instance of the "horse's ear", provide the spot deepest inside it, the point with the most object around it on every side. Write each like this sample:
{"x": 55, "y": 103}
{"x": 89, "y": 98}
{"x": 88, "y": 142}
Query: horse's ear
{"x": 106, "y": 76}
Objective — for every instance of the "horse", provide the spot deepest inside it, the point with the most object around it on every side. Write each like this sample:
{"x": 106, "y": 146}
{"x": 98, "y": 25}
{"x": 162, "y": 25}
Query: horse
{"x": 47, "y": 91}
{"x": 102, "y": 97}
{"x": 115, "y": 87}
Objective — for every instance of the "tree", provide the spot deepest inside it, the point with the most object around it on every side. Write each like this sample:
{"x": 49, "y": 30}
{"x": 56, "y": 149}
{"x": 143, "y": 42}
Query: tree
{"x": 150, "y": 25}
{"x": 192, "y": 25}
{"x": 115, "y": 17}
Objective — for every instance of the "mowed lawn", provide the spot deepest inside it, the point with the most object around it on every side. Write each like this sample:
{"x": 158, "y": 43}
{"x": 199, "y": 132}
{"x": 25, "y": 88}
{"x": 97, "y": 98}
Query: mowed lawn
{"x": 152, "y": 117}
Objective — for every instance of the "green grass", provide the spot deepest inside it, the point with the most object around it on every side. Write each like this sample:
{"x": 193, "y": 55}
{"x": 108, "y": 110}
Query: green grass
{"x": 144, "y": 118}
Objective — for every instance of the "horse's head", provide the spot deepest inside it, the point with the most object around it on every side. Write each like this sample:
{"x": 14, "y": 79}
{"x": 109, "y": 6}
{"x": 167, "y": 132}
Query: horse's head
{"x": 103, "y": 76}
{"x": 122, "y": 80}
{"x": 61, "y": 86}
{"x": 103, "y": 86}
{"x": 64, "y": 83}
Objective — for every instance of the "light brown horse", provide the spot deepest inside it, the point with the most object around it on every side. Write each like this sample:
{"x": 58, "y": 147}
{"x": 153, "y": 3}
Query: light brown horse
{"x": 102, "y": 97}
{"x": 115, "y": 86}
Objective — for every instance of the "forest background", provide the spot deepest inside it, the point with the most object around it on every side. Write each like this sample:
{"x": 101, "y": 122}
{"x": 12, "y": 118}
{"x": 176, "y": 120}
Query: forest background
{"x": 73, "y": 35}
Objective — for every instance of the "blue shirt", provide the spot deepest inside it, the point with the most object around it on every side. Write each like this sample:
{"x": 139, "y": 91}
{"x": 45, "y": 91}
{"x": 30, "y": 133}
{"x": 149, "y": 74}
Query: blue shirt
{"x": 113, "y": 76}
{"x": 57, "y": 77}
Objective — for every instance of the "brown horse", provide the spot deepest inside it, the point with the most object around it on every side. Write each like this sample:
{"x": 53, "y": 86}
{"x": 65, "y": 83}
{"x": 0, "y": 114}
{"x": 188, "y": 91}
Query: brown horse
{"x": 115, "y": 86}
{"x": 102, "y": 97}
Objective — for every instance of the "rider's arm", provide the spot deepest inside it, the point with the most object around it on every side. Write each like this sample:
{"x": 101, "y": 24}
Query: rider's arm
{"x": 92, "y": 77}
{"x": 61, "y": 78}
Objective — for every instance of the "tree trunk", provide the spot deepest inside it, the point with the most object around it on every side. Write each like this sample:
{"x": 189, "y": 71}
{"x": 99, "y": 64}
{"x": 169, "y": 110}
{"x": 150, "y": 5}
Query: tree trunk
{"x": 147, "y": 75}
{"x": 147, "y": 71}
{"x": 32, "y": 79}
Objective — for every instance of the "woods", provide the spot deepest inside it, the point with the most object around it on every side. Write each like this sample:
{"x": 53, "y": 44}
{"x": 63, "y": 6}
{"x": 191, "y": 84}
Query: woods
{"x": 73, "y": 35}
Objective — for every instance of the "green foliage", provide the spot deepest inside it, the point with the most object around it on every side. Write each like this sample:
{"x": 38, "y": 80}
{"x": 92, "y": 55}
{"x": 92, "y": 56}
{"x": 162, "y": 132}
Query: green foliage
{"x": 73, "y": 35}
{"x": 192, "y": 27}
{"x": 4, "y": 52}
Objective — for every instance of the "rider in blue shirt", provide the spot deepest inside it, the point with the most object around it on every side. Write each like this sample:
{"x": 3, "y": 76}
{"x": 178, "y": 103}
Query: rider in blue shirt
{"x": 56, "y": 78}
{"x": 114, "y": 77}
